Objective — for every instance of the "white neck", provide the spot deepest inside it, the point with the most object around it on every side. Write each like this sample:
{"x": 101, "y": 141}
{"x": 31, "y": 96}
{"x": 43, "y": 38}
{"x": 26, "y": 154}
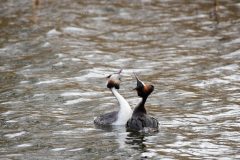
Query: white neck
{"x": 125, "y": 111}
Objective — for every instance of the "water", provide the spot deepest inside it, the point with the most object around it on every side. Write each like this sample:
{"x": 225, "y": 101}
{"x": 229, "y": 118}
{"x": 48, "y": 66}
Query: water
{"x": 55, "y": 55}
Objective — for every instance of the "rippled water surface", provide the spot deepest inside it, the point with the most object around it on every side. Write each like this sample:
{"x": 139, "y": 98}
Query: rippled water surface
{"x": 55, "y": 55}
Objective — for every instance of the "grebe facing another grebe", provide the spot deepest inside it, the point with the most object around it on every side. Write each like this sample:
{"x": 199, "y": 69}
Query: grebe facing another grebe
{"x": 140, "y": 121}
{"x": 121, "y": 116}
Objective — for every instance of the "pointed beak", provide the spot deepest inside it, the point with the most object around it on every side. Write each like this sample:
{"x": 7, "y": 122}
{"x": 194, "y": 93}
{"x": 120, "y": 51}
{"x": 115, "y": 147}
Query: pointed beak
{"x": 108, "y": 76}
{"x": 140, "y": 84}
{"x": 120, "y": 71}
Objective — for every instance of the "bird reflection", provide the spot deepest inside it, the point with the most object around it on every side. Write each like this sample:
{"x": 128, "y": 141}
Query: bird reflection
{"x": 134, "y": 139}
{"x": 120, "y": 129}
{"x": 105, "y": 128}
{"x": 137, "y": 140}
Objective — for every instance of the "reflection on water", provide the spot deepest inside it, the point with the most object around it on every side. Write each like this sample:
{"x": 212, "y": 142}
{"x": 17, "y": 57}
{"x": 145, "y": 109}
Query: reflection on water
{"x": 55, "y": 55}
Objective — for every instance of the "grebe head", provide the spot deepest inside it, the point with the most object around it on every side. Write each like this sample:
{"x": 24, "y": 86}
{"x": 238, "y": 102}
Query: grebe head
{"x": 143, "y": 90}
{"x": 114, "y": 80}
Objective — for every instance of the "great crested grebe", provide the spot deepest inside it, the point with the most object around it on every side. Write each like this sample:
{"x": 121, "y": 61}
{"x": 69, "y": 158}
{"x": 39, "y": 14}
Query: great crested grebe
{"x": 124, "y": 113}
{"x": 140, "y": 121}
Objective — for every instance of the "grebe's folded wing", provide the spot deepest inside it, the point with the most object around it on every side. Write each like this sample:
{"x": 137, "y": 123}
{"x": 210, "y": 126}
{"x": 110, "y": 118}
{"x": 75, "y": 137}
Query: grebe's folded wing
{"x": 139, "y": 123}
{"x": 106, "y": 119}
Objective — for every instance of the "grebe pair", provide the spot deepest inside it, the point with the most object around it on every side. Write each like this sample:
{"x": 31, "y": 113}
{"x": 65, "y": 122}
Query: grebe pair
{"x": 136, "y": 120}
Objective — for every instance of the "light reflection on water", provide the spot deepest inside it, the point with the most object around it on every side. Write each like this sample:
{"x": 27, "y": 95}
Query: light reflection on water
{"x": 54, "y": 57}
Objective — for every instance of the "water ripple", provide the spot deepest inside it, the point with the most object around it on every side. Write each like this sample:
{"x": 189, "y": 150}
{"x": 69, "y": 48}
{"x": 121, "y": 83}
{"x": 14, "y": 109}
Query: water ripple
{"x": 55, "y": 56}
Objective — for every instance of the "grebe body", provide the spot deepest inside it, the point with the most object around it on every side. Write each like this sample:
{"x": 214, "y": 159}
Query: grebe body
{"x": 124, "y": 113}
{"x": 140, "y": 120}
